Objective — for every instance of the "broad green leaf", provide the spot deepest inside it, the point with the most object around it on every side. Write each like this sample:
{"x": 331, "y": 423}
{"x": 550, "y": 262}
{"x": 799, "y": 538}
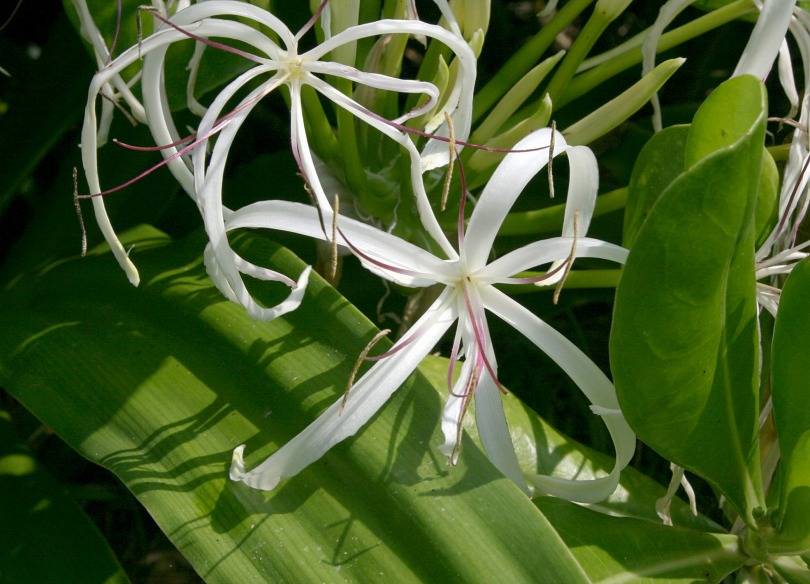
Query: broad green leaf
{"x": 543, "y": 449}
{"x": 45, "y": 537}
{"x": 789, "y": 391}
{"x": 684, "y": 344}
{"x": 615, "y": 549}
{"x": 660, "y": 162}
{"x": 159, "y": 383}
{"x": 767, "y": 209}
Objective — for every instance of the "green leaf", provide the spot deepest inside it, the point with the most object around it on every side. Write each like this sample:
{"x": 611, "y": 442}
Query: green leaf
{"x": 159, "y": 383}
{"x": 791, "y": 343}
{"x": 615, "y": 549}
{"x": 684, "y": 344}
{"x": 46, "y": 537}
{"x": 660, "y": 162}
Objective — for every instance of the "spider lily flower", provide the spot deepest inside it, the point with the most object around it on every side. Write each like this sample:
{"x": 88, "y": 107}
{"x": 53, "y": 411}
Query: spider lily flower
{"x": 780, "y": 251}
{"x": 468, "y": 279}
{"x": 281, "y": 64}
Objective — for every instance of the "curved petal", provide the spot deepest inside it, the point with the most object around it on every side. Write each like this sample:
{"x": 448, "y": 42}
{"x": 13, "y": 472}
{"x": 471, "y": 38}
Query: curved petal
{"x": 425, "y": 268}
{"x": 367, "y": 396}
{"x": 590, "y": 380}
{"x": 545, "y": 251}
{"x": 507, "y": 182}
{"x": 583, "y": 183}
{"x": 384, "y": 82}
{"x": 458, "y": 102}
{"x": 426, "y": 215}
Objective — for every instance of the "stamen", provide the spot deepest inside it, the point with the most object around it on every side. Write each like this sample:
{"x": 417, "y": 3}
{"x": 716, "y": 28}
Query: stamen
{"x": 448, "y": 178}
{"x": 155, "y": 148}
{"x": 209, "y": 42}
{"x": 311, "y": 22}
{"x": 333, "y": 268}
{"x": 357, "y": 364}
{"x": 11, "y": 16}
{"x": 115, "y": 36}
{"x": 78, "y": 206}
{"x": 551, "y": 159}
{"x": 569, "y": 261}
{"x": 120, "y": 108}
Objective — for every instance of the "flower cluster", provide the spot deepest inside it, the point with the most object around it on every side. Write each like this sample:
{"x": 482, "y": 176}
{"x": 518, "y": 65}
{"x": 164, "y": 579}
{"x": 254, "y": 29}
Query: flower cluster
{"x": 440, "y": 112}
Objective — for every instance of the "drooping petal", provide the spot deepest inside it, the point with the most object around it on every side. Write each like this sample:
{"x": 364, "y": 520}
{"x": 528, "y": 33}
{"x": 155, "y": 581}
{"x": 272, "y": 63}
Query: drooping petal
{"x": 590, "y": 380}
{"x": 367, "y": 396}
{"x": 494, "y": 431}
{"x": 426, "y": 215}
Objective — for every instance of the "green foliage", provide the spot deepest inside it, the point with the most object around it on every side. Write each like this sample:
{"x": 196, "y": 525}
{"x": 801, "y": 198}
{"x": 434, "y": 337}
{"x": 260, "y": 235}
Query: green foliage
{"x": 684, "y": 340}
{"x": 160, "y": 383}
{"x": 791, "y": 340}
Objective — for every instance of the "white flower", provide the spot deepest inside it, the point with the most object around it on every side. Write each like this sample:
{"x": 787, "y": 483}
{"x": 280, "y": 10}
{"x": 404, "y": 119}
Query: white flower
{"x": 469, "y": 281}
{"x": 280, "y": 64}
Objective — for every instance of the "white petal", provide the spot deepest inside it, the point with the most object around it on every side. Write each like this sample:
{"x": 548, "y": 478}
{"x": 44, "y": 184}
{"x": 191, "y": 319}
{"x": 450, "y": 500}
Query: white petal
{"x": 426, "y": 215}
{"x": 763, "y": 46}
{"x": 507, "y": 182}
{"x": 367, "y": 396}
{"x": 494, "y": 431}
{"x": 590, "y": 380}
{"x": 583, "y": 184}
{"x": 388, "y": 249}
{"x": 545, "y": 251}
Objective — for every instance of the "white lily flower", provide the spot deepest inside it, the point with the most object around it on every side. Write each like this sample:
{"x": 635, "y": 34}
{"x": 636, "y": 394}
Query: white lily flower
{"x": 281, "y": 64}
{"x": 469, "y": 281}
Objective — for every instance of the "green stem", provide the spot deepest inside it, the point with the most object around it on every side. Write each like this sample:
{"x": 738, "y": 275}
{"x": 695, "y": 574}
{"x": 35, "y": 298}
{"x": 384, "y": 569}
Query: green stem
{"x": 585, "y": 82}
{"x": 525, "y": 58}
{"x": 590, "y": 33}
{"x": 550, "y": 219}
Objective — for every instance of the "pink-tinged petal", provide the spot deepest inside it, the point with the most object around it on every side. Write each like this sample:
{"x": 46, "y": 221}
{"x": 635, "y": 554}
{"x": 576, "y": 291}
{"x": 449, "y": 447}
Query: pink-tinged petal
{"x": 546, "y": 251}
{"x": 590, "y": 380}
{"x": 367, "y": 396}
{"x": 763, "y": 46}
{"x": 418, "y": 267}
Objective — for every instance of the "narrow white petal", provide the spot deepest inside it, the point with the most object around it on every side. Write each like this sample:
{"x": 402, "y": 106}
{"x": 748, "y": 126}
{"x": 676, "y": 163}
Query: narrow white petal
{"x": 426, "y": 215}
{"x": 367, "y": 396}
{"x": 388, "y": 249}
{"x": 507, "y": 182}
{"x": 545, "y": 251}
{"x": 590, "y": 380}
{"x": 494, "y": 431}
{"x": 763, "y": 46}
{"x": 583, "y": 183}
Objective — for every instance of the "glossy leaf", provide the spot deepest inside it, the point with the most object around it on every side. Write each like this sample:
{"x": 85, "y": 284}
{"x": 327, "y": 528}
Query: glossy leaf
{"x": 660, "y": 162}
{"x": 46, "y": 537}
{"x": 615, "y": 549}
{"x": 159, "y": 383}
{"x": 789, "y": 391}
{"x": 684, "y": 344}
{"x": 543, "y": 449}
